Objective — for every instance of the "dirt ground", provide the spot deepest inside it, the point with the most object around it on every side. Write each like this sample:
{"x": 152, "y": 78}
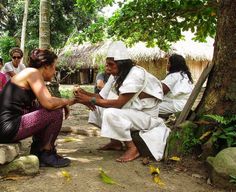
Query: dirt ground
{"x": 80, "y": 146}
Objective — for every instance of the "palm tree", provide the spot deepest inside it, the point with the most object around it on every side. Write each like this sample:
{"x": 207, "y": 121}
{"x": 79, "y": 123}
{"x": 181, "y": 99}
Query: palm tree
{"x": 44, "y": 24}
{"x": 24, "y": 23}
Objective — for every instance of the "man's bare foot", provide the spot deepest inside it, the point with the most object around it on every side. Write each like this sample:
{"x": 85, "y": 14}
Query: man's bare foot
{"x": 113, "y": 145}
{"x": 130, "y": 154}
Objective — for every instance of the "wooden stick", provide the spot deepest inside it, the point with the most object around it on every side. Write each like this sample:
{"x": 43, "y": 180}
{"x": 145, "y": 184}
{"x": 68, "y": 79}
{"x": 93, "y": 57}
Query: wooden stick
{"x": 197, "y": 88}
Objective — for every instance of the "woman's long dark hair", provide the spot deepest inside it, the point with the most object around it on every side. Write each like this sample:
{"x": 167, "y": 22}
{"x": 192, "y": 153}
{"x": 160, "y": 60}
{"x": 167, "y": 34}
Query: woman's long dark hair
{"x": 178, "y": 64}
{"x": 124, "y": 67}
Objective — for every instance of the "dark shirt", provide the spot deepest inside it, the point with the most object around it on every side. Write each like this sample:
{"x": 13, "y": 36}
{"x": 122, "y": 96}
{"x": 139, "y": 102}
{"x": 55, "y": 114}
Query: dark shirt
{"x": 100, "y": 76}
{"x": 13, "y": 101}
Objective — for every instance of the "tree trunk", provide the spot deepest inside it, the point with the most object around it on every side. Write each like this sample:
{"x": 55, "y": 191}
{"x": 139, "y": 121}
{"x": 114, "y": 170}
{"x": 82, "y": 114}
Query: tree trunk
{"x": 220, "y": 95}
{"x": 44, "y": 24}
{"x": 24, "y": 24}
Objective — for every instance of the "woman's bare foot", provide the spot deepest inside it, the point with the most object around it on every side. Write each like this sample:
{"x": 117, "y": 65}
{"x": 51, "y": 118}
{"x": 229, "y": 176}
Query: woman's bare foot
{"x": 113, "y": 145}
{"x": 130, "y": 154}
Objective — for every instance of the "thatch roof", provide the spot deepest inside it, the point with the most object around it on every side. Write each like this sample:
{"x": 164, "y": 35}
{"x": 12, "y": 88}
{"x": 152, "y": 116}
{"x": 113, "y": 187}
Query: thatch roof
{"x": 194, "y": 50}
{"x": 93, "y": 55}
{"x": 78, "y": 56}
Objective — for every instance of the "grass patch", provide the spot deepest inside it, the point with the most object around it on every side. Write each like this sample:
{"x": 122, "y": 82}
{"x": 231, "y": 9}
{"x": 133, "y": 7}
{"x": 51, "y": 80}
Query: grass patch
{"x": 66, "y": 91}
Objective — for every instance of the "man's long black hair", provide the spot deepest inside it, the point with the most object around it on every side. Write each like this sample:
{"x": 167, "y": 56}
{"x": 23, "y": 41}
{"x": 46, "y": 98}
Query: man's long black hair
{"x": 124, "y": 67}
{"x": 178, "y": 64}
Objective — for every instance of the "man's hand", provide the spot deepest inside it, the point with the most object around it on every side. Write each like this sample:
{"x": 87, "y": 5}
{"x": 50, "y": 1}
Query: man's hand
{"x": 85, "y": 99}
{"x": 78, "y": 89}
{"x": 67, "y": 111}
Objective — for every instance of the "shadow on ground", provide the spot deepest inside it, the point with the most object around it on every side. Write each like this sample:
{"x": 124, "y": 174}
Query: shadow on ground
{"x": 83, "y": 174}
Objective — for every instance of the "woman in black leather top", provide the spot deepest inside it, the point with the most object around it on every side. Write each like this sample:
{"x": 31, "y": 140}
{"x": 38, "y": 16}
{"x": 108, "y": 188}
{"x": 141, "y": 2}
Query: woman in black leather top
{"x": 20, "y": 119}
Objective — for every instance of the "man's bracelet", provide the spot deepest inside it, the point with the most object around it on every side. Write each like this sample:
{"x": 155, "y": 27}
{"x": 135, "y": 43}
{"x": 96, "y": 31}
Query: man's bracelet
{"x": 93, "y": 100}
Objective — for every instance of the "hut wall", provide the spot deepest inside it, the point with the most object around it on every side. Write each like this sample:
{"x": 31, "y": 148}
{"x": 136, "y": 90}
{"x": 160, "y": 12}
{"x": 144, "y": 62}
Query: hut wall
{"x": 73, "y": 78}
{"x": 157, "y": 67}
{"x": 196, "y": 68}
{"x": 81, "y": 76}
{"x": 84, "y": 76}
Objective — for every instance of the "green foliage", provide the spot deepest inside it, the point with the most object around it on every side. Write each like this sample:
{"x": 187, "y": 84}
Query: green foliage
{"x": 188, "y": 137}
{"x": 94, "y": 30}
{"x": 161, "y": 22}
{"x": 6, "y": 43}
{"x": 100, "y": 62}
{"x": 101, "y": 68}
{"x": 66, "y": 92}
{"x": 183, "y": 140}
{"x": 189, "y": 142}
{"x": 66, "y": 19}
{"x": 154, "y": 22}
{"x": 232, "y": 179}
{"x": 223, "y": 131}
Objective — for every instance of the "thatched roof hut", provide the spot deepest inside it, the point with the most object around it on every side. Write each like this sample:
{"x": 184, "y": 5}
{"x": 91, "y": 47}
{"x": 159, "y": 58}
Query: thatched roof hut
{"x": 152, "y": 59}
{"x": 197, "y": 54}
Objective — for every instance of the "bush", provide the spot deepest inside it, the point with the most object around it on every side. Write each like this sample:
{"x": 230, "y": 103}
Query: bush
{"x": 6, "y": 43}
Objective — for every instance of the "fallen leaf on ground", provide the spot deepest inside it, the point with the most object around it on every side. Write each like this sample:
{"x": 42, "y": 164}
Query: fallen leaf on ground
{"x": 106, "y": 178}
{"x": 66, "y": 175}
{"x": 70, "y": 139}
{"x": 174, "y": 158}
{"x": 154, "y": 170}
{"x": 158, "y": 181}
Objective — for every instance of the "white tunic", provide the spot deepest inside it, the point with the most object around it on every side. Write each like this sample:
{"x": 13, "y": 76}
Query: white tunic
{"x": 180, "y": 90}
{"x": 137, "y": 114}
{"x": 9, "y": 67}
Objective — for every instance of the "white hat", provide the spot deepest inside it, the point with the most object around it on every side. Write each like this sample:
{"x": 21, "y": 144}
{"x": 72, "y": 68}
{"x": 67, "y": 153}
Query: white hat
{"x": 118, "y": 51}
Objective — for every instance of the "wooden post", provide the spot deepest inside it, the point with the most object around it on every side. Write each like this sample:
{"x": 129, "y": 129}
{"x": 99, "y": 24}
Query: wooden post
{"x": 197, "y": 88}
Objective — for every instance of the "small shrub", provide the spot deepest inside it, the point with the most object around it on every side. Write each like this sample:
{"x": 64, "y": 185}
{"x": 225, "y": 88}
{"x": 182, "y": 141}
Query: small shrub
{"x": 223, "y": 130}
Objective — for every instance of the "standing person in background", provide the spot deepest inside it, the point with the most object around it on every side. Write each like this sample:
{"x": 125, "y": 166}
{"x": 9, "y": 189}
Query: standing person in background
{"x": 177, "y": 86}
{"x": 3, "y": 78}
{"x": 101, "y": 80}
{"x": 20, "y": 119}
{"x": 14, "y": 66}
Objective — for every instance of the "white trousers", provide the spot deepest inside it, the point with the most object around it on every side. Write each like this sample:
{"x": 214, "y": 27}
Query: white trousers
{"x": 166, "y": 107}
{"x": 118, "y": 124}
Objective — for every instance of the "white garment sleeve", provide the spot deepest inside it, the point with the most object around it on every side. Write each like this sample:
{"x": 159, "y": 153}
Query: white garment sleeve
{"x": 8, "y": 67}
{"x": 22, "y": 66}
{"x": 170, "y": 81}
{"x": 178, "y": 84}
{"x": 133, "y": 82}
{"x": 107, "y": 87}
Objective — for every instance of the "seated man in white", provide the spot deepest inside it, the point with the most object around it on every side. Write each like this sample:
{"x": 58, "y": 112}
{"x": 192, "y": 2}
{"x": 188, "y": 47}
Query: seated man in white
{"x": 128, "y": 102}
{"x": 177, "y": 86}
